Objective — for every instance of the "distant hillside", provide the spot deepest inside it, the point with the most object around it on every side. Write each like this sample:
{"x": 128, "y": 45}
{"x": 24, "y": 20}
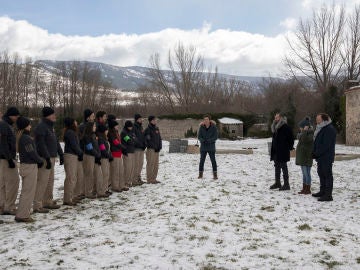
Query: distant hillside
{"x": 129, "y": 78}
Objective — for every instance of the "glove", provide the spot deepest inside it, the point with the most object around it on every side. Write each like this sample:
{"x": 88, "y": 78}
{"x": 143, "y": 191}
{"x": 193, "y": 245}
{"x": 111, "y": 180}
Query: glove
{"x": 98, "y": 161}
{"x": 80, "y": 158}
{"x": 111, "y": 159}
{"x": 61, "y": 160}
{"x": 11, "y": 163}
{"x": 40, "y": 164}
{"x": 124, "y": 152}
{"x": 48, "y": 164}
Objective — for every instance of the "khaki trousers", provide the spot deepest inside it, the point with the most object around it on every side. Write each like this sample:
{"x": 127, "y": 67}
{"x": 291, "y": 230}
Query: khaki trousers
{"x": 80, "y": 185}
{"x": 9, "y": 186}
{"x": 152, "y": 165}
{"x": 88, "y": 165}
{"x": 105, "y": 169}
{"x": 28, "y": 173}
{"x": 99, "y": 179}
{"x": 117, "y": 174}
{"x": 139, "y": 162}
{"x": 44, "y": 185}
{"x": 71, "y": 171}
{"x": 129, "y": 168}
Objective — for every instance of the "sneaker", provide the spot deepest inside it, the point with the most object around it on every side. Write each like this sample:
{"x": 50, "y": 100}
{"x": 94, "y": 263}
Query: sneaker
{"x": 25, "y": 220}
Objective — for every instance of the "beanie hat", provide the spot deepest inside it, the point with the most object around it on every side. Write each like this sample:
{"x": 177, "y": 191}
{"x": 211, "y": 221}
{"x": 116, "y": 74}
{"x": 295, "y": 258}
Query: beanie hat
{"x": 12, "y": 111}
{"x": 87, "y": 113}
{"x": 111, "y": 117}
{"x": 137, "y": 116}
{"x": 151, "y": 117}
{"x": 46, "y": 111}
{"x": 112, "y": 123}
{"x": 128, "y": 124}
{"x": 22, "y": 122}
{"x": 305, "y": 122}
{"x": 68, "y": 121}
{"x": 101, "y": 128}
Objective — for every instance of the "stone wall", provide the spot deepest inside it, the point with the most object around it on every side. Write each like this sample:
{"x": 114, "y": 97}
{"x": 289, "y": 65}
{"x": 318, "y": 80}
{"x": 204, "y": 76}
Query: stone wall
{"x": 176, "y": 129}
{"x": 353, "y": 116}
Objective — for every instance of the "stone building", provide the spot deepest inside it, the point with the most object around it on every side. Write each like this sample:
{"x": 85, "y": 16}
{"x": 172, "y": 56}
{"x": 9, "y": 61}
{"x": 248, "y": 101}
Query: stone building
{"x": 353, "y": 116}
{"x": 234, "y": 127}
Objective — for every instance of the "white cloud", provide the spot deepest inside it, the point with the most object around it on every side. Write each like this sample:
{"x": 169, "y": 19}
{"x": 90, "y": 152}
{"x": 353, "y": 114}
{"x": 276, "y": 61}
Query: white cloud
{"x": 289, "y": 23}
{"x": 233, "y": 52}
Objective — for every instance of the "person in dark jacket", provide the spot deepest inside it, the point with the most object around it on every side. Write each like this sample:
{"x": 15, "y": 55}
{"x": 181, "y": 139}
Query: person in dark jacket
{"x": 324, "y": 153}
{"x": 9, "y": 177}
{"x": 282, "y": 144}
{"x": 128, "y": 139}
{"x": 304, "y": 150}
{"x": 139, "y": 148}
{"x": 92, "y": 158}
{"x": 48, "y": 147}
{"x": 102, "y": 185}
{"x": 89, "y": 116}
{"x": 153, "y": 144}
{"x": 207, "y": 135}
{"x": 72, "y": 161}
{"x": 30, "y": 161}
{"x": 101, "y": 118}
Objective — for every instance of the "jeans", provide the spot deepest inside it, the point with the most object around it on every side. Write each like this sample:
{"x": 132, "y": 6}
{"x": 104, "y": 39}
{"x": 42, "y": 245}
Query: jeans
{"x": 203, "y": 157}
{"x": 281, "y": 166}
{"x": 306, "y": 171}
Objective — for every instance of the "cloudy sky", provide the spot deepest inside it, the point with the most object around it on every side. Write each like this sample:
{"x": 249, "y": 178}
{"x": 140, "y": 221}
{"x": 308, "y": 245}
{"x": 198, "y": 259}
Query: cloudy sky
{"x": 244, "y": 37}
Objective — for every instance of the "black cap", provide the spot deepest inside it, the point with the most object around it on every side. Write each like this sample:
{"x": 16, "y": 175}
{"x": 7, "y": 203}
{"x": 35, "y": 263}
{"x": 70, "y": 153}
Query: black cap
{"x": 128, "y": 124}
{"x": 46, "y": 111}
{"x": 101, "y": 128}
{"x": 137, "y": 116}
{"x": 112, "y": 123}
{"x": 22, "y": 122}
{"x": 12, "y": 111}
{"x": 69, "y": 122}
{"x": 151, "y": 117}
{"x": 111, "y": 117}
{"x": 87, "y": 113}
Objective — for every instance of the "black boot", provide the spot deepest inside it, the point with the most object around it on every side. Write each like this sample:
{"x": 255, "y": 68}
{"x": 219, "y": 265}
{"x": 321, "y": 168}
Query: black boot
{"x": 318, "y": 194}
{"x": 215, "y": 176}
{"x": 286, "y": 186}
{"x": 201, "y": 175}
{"x": 276, "y": 185}
{"x": 327, "y": 197}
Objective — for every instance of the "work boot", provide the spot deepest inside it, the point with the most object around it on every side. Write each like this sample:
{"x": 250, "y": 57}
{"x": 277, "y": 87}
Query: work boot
{"x": 51, "y": 206}
{"x": 276, "y": 185}
{"x": 41, "y": 210}
{"x": 215, "y": 175}
{"x": 303, "y": 189}
{"x": 201, "y": 174}
{"x": 25, "y": 220}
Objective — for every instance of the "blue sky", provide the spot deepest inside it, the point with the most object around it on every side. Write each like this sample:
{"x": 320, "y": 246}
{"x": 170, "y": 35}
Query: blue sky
{"x": 244, "y": 37}
{"x": 91, "y": 17}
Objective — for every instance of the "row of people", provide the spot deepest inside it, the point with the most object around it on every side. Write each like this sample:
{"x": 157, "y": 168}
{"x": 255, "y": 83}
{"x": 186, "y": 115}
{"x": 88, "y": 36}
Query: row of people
{"x": 98, "y": 159}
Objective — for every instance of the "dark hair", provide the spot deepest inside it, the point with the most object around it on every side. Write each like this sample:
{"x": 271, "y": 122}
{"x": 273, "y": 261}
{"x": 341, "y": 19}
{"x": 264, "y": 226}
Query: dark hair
{"x": 88, "y": 130}
{"x": 324, "y": 116}
{"x": 100, "y": 114}
{"x": 207, "y": 116}
{"x": 72, "y": 127}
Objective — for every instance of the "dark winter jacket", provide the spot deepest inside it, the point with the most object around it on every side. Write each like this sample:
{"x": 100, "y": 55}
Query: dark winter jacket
{"x": 7, "y": 139}
{"x": 304, "y": 148}
{"x": 282, "y": 143}
{"x": 324, "y": 145}
{"x": 72, "y": 143}
{"x": 27, "y": 150}
{"x": 47, "y": 144}
{"x": 91, "y": 146}
{"x": 128, "y": 139}
{"x": 153, "y": 138}
{"x": 140, "y": 137}
{"x": 81, "y": 133}
{"x": 116, "y": 147}
{"x": 104, "y": 147}
{"x": 208, "y": 137}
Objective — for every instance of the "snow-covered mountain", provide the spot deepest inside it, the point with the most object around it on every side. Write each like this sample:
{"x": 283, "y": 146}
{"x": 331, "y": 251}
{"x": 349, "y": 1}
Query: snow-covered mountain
{"x": 129, "y": 78}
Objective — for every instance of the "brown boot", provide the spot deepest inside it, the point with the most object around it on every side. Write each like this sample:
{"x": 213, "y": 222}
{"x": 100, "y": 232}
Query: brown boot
{"x": 215, "y": 176}
{"x": 303, "y": 189}
{"x": 307, "y": 189}
{"x": 201, "y": 174}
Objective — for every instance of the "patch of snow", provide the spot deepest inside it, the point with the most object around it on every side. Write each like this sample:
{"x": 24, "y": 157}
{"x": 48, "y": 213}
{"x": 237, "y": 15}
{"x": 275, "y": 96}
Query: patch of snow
{"x": 230, "y": 121}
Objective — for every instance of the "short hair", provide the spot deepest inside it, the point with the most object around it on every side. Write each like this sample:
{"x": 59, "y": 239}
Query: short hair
{"x": 100, "y": 114}
{"x": 281, "y": 114}
{"x": 324, "y": 116}
{"x": 207, "y": 116}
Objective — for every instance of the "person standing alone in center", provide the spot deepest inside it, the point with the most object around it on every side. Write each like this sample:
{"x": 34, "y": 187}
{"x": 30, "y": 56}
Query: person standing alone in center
{"x": 282, "y": 144}
{"x": 207, "y": 136}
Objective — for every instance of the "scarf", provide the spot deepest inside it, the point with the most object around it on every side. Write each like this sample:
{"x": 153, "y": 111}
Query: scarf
{"x": 276, "y": 125}
{"x": 320, "y": 126}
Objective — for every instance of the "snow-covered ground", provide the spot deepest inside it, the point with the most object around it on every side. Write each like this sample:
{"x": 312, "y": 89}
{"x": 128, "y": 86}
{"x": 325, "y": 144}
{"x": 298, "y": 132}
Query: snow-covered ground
{"x": 186, "y": 223}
